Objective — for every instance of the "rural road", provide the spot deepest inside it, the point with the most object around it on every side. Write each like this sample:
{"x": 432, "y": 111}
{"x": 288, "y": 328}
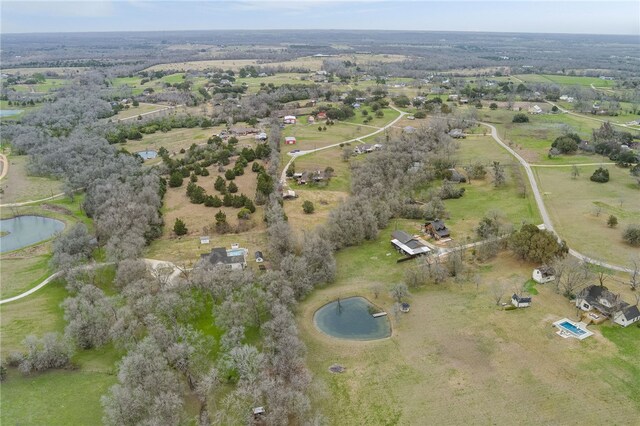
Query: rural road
{"x": 152, "y": 263}
{"x": 4, "y": 162}
{"x": 283, "y": 176}
{"x": 541, "y": 207}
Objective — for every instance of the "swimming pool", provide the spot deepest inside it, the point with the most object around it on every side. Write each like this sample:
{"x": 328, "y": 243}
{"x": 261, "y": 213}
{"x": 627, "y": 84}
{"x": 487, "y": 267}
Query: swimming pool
{"x": 573, "y": 329}
{"x": 236, "y": 252}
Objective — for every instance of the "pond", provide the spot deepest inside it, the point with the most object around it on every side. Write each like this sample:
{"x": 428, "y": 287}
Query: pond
{"x": 351, "y": 319}
{"x": 148, "y": 154}
{"x": 9, "y": 112}
{"x": 23, "y": 231}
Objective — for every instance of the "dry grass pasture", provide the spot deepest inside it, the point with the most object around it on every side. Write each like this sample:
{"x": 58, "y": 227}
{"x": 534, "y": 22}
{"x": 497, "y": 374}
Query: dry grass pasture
{"x": 17, "y": 186}
{"x": 572, "y": 204}
{"x": 457, "y": 358}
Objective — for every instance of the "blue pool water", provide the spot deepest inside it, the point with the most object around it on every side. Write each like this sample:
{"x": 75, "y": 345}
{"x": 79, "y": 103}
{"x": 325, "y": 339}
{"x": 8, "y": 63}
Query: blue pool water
{"x": 572, "y": 328}
{"x": 148, "y": 154}
{"x": 235, "y": 252}
{"x": 350, "y": 319}
{"x": 22, "y": 231}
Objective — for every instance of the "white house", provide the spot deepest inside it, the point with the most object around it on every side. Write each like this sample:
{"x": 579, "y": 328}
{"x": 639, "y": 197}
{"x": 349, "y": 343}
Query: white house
{"x": 520, "y": 301}
{"x": 543, "y": 274}
{"x": 627, "y": 315}
{"x": 535, "y": 110}
{"x": 290, "y": 119}
{"x": 609, "y": 304}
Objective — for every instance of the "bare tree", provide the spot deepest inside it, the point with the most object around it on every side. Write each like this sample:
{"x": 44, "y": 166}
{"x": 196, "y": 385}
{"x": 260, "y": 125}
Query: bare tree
{"x": 571, "y": 275}
{"x": 634, "y": 279}
{"x": 399, "y": 292}
{"x": 497, "y": 292}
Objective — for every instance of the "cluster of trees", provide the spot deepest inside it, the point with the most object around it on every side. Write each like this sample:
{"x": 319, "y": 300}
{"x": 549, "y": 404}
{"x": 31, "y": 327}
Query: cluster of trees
{"x": 121, "y": 133}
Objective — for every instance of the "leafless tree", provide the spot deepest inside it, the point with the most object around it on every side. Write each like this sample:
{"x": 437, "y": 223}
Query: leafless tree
{"x": 634, "y": 279}
{"x": 497, "y": 292}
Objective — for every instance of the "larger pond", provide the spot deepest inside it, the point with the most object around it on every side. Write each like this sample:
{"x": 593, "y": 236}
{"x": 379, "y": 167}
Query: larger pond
{"x": 9, "y": 112}
{"x": 23, "y": 231}
{"x": 352, "y": 319}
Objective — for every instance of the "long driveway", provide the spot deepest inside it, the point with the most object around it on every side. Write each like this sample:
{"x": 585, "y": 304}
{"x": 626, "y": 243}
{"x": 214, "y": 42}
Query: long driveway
{"x": 152, "y": 263}
{"x": 283, "y": 176}
{"x": 546, "y": 219}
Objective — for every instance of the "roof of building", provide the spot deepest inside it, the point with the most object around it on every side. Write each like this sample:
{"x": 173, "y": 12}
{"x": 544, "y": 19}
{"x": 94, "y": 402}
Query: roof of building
{"x": 408, "y": 242}
{"x": 545, "y": 270}
{"x": 219, "y": 256}
{"x": 439, "y": 227}
{"x": 521, "y": 299}
{"x": 258, "y": 254}
{"x": 630, "y": 312}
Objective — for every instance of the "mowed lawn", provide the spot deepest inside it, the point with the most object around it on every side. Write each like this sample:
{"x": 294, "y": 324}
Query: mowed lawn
{"x": 331, "y": 157}
{"x": 565, "y": 80}
{"x": 18, "y": 186}
{"x": 456, "y": 358}
{"x": 572, "y": 204}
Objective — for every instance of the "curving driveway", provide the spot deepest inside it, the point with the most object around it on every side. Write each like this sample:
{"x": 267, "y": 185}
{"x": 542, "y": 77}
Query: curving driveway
{"x": 543, "y": 210}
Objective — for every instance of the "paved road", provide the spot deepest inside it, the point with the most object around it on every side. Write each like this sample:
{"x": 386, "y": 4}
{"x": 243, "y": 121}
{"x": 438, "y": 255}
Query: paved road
{"x": 541, "y": 207}
{"x": 283, "y": 176}
{"x": 153, "y": 264}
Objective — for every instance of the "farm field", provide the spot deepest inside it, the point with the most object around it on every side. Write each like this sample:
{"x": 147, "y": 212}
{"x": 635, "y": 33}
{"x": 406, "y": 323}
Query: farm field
{"x": 456, "y": 356}
{"x": 308, "y": 137}
{"x": 572, "y": 205}
{"x": 134, "y": 111}
{"x": 310, "y": 62}
{"x": 47, "y": 86}
{"x": 565, "y": 80}
{"x": 173, "y": 140}
{"x": 17, "y": 186}
{"x": 279, "y": 79}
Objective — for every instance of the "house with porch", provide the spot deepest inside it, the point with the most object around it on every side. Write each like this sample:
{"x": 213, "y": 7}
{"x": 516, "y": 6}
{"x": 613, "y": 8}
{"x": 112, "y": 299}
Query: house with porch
{"x": 408, "y": 245}
{"x": 235, "y": 258}
{"x": 599, "y": 298}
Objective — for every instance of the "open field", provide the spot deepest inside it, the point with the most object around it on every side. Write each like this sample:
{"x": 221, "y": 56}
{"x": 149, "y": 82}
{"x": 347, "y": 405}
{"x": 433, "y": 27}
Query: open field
{"x": 572, "y": 203}
{"x": 19, "y": 274}
{"x": 456, "y": 356}
{"x": 323, "y": 201}
{"x": 17, "y": 186}
{"x": 133, "y": 111}
{"x": 565, "y": 80}
{"x": 49, "y": 85}
{"x": 309, "y": 62}
{"x": 308, "y": 137}
{"x": 481, "y": 197}
{"x": 173, "y": 141}
{"x": 533, "y": 140}
{"x": 332, "y": 157}
{"x": 389, "y": 115}
{"x": 277, "y": 80}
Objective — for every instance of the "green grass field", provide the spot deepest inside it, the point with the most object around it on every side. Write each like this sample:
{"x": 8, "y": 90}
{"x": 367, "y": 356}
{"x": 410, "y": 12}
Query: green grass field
{"x": 565, "y": 80}
{"x": 49, "y": 85}
{"x": 572, "y": 205}
{"x": 18, "y": 186}
{"x": 456, "y": 356}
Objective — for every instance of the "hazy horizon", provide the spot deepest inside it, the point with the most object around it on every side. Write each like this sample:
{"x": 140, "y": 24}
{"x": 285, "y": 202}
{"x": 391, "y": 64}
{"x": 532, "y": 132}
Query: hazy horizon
{"x": 505, "y": 16}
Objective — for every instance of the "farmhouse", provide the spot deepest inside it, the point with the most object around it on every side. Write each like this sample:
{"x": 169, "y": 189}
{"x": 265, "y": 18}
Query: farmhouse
{"x": 289, "y": 194}
{"x": 408, "y": 245}
{"x": 437, "y": 229}
{"x": 364, "y": 148}
{"x": 221, "y": 257}
{"x": 457, "y": 134}
{"x": 243, "y": 131}
{"x": 289, "y": 140}
{"x": 543, "y": 274}
{"x": 290, "y": 119}
{"x": 607, "y": 303}
{"x": 535, "y": 110}
{"x": 520, "y": 302}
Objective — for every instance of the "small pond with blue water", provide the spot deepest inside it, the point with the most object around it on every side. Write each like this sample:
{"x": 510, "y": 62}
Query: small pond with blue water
{"x": 9, "y": 112}
{"x": 148, "y": 154}
{"x": 22, "y": 231}
{"x": 351, "y": 319}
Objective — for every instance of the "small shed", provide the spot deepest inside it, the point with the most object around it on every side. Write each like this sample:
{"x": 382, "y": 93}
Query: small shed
{"x": 289, "y": 140}
{"x": 204, "y": 239}
{"x": 311, "y": 119}
{"x": 259, "y": 257}
{"x": 520, "y": 301}
{"x": 290, "y": 119}
{"x": 543, "y": 274}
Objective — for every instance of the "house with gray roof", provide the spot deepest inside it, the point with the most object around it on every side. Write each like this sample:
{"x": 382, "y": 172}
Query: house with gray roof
{"x": 408, "y": 245}
{"x": 221, "y": 257}
{"x": 609, "y": 304}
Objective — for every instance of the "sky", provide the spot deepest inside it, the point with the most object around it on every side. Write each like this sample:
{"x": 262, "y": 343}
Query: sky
{"x": 536, "y": 16}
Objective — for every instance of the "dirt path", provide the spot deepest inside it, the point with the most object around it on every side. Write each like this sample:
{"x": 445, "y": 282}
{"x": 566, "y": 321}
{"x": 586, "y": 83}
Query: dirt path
{"x": 4, "y": 166}
{"x": 152, "y": 263}
{"x": 283, "y": 176}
